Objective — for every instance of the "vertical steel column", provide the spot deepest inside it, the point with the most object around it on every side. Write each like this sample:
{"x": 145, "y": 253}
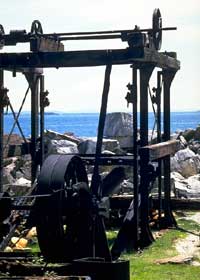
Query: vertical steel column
{"x": 158, "y": 98}
{"x": 128, "y": 235}
{"x": 135, "y": 157}
{"x": 145, "y": 75}
{"x": 1, "y": 131}
{"x": 146, "y": 237}
{"x": 33, "y": 80}
{"x": 95, "y": 177}
{"x": 168, "y": 77}
{"x": 41, "y": 119}
{"x": 159, "y": 139}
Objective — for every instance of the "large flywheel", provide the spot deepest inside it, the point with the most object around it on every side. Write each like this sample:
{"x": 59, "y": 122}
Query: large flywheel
{"x": 63, "y": 180}
{"x": 66, "y": 213}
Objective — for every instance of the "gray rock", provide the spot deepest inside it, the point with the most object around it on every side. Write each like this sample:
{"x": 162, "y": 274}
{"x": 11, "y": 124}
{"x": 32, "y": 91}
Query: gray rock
{"x": 23, "y": 182}
{"x": 9, "y": 171}
{"x": 188, "y": 188}
{"x": 57, "y": 143}
{"x": 186, "y": 162}
{"x": 188, "y": 134}
{"x": 88, "y": 146}
{"x": 118, "y": 124}
{"x": 125, "y": 141}
{"x": 62, "y": 147}
{"x": 53, "y": 135}
{"x": 16, "y": 168}
{"x": 195, "y": 147}
{"x": 127, "y": 186}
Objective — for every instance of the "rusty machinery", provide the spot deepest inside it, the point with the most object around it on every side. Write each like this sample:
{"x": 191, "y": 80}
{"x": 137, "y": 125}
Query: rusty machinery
{"x": 67, "y": 211}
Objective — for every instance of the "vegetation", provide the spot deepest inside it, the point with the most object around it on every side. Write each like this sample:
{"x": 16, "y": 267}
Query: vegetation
{"x": 143, "y": 264}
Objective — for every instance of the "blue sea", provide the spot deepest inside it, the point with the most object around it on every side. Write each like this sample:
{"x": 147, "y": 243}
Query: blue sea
{"x": 85, "y": 124}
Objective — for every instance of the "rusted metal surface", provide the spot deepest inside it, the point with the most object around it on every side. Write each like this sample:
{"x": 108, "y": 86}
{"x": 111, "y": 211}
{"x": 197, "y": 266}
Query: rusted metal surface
{"x": 60, "y": 201}
{"x": 135, "y": 155}
{"x": 1, "y": 131}
{"x": 87, "y": 58}
{"x": 96, "y": 176}
{"x": 168, "y": 77}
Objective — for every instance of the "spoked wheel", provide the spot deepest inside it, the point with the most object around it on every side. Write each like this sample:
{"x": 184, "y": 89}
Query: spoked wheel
{"x": 57, "y": 216}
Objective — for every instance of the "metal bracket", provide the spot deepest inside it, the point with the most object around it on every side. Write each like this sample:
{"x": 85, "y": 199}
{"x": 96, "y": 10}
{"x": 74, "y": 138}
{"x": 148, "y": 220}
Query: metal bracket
{"x": 44, "y": 99}
{"x": 130, "y": 94}
{"x": 4, "y": 99}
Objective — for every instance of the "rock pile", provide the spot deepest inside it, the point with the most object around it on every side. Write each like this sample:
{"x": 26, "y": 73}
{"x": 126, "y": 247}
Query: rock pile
{"x": 118, "y": 136}
{"x": 185, "y": 166}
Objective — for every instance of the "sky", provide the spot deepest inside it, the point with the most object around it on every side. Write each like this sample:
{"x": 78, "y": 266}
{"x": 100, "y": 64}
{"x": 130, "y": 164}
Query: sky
{"x": 80, "y": 89}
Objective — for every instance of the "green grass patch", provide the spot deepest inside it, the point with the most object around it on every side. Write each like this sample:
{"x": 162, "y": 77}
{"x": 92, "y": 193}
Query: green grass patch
{"x": 143, "y": 266}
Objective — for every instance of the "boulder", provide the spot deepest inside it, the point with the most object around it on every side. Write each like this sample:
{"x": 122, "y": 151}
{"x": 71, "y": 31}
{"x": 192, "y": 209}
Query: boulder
{"x": 25, "y": 167}
{"x": 57, "y": 143}
{"x": 197, "y": 133}
{"x": 88, "y": 146}
{"x": 119, "y": 125}
{"x": 16, "y": 168}
{"x": 62, "y": 147}
{"x": 192, "y": 134}
{"x": 187, "y": 188}
{"x": 186, "y": 162}
{"x": 127, "y": 186}
{"x": 52, "y": 135}
{"x": 9, "y": 171}
{"x": 195, "y": 147}
{"x": 188, "y": 134}
{"x": 23, "y": 182}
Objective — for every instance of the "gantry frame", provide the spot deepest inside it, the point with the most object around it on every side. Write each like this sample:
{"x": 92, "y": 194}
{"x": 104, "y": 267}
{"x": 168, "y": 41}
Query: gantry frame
{"x": 143, "y": 61}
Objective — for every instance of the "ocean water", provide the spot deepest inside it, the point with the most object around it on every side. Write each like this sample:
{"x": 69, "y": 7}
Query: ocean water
{"x": 85, "y": 124}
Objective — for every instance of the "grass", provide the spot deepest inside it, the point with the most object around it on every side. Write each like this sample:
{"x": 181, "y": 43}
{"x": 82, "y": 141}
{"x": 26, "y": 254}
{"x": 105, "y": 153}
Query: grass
{"x": 143, "y": 267}
{"x": 142, "y": 264}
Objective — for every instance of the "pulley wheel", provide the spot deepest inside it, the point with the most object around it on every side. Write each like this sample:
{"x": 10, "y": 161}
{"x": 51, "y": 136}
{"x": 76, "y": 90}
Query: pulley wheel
{"x": 59, "y": 174}
{"x": 36, "y": 27}
{"x": 157, "y": 29}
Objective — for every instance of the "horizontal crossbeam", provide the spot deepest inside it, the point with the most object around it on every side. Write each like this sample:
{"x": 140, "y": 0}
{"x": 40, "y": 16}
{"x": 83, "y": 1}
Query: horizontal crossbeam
{"x": 138, "y": 56}
{"x": 160, "y": 150}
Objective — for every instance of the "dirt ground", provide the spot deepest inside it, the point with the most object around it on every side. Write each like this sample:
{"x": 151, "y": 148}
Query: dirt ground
{"x": 189, "y": 248}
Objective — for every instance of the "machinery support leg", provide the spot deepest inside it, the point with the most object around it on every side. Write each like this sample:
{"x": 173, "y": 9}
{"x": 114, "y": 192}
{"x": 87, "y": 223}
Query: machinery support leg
{"x": 1, "y": 132}
{"x": 159, "y": 139}
{"x": 168, "y": 77}
{"x": 146, "y": 237}
{"x": 42, "y": 119}
{"x": 33, "y": 80}
{"x": 135, "y": 158}
{"x": 95, "y": 178}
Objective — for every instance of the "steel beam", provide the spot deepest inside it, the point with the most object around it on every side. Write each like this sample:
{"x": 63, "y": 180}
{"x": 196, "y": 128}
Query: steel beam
{"x": 168, "y": 77}
{"x": 96, "y": 177}
{"x": 137, "y": 56}
{"x": 1, "y": 130}
{"x": 146, "y": 237}
{"x": 135, "y": 156}
{"x": 33, "y": 80}
{"x": 41, "y": 119}
{"x": 159, "y": 139}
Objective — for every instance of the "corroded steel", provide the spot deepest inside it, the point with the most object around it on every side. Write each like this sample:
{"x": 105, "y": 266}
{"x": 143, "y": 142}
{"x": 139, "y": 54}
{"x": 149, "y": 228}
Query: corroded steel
{"x": 67, "y": 211}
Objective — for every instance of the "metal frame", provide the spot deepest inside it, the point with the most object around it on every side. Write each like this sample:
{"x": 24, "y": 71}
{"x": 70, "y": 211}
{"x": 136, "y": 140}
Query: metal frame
{"x": 143, "y": 60}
